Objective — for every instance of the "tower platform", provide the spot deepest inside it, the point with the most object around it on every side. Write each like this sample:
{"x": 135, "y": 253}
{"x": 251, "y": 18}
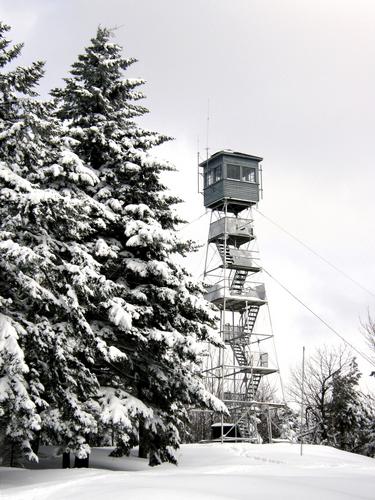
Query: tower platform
{"x": 235, "y": 300}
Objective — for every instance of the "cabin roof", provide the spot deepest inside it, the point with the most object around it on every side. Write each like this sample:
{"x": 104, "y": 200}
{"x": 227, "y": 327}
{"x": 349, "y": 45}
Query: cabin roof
{"x": 229, "y": 152}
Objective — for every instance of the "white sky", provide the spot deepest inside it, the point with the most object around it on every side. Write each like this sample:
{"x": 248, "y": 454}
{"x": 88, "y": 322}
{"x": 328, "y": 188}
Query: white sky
{"x": 291, "y": 81}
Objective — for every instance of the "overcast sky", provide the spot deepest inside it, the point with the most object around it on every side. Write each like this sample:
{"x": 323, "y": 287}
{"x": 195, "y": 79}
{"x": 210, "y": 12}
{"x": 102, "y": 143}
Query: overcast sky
{"x": 291, "y": 81}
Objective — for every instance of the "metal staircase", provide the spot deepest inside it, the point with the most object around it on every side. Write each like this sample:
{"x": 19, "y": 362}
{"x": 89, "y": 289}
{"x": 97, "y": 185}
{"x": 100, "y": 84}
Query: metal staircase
{"x": 249, "y": 317}
{"x": 238, "y": 281}
{"x": 240, "y": 298}
{"x": 239, "y": 352}
{"x": 252, "y": 386}
{"x": 224, "y": 252}
{"x": 241, "y": 421}
{"x": 239, "y": 413}
{"x": 238, "y": 343}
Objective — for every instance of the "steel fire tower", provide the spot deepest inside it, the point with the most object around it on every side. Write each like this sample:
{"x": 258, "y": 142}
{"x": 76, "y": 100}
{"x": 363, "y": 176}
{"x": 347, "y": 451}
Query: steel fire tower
{"x": 232, "y": 186}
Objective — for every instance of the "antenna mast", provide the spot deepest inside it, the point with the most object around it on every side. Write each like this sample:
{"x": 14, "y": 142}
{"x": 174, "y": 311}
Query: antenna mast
{"x": 207, "y": 127}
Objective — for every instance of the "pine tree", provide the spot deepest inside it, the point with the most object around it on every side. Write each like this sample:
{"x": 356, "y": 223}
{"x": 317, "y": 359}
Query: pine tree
{"x": 154, "y": 313}
{"x": 15, "y": 433}
{"x": 47, "y": 347}
{"x": 366, "y": 445}
{"x": 346, "y": 419}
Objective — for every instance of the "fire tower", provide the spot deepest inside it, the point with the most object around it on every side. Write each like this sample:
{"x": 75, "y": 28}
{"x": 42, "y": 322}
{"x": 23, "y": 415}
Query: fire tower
{"x": 236, "y": 373}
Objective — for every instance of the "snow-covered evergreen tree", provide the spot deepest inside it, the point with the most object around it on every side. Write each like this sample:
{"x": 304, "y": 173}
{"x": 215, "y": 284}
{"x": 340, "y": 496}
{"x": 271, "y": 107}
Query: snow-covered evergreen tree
{"x": 154, "y": 312}
{"x": 89, "y": 287}
{"x": 46, "y": 343}
{"x": 366, "y": 444}
{"x": 19, "y": 418}
{"x": 346, "y": 418}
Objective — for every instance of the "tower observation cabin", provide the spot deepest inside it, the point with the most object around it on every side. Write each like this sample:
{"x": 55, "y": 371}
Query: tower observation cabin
{"x": 232, "y": 185}
{"x": 232, "y": 177}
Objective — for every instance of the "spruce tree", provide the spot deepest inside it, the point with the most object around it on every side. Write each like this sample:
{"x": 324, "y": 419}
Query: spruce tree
{"x": 346, "y": 419}
{"x": 19, "y": 418}
{"x": 154, "y": 313}
{"x": 47, "y": 347}
{"x": 367, "y": 441}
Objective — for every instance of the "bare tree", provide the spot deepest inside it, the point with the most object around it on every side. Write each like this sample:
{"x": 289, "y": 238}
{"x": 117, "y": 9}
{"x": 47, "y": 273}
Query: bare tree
{"x": 368, "y": 331}
{"x": 321, "y": 368}
{"x": 267, "y": 390}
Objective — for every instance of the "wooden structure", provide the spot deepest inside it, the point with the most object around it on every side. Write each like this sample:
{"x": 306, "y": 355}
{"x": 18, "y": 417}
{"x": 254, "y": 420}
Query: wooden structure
{"x": 232, "y": 186}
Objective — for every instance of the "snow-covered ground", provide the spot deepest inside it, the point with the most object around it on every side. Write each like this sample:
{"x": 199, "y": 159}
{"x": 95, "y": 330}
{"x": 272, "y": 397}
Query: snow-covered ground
{"x": 205, "y": 471}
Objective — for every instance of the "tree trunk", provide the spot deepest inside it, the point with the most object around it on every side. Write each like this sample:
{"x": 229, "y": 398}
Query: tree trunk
{"x": 81, "y": 462}
{"x": 11, "y": 454}
{"x": 35, "y": 444}
{"x": 66, "y": 460}
{"x": 143, "y": 448}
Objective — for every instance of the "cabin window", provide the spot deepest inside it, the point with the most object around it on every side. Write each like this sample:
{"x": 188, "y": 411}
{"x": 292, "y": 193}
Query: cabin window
{"x": 212, "y": 175}
{"x": 248, "y": 174}
{"x": 217, "y": 174}
{"x": 234, "y": 172}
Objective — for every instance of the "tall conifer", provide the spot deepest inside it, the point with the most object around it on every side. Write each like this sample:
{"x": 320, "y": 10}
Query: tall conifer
{"x": 155, "y": 314}
{"x": 47, "y": 347}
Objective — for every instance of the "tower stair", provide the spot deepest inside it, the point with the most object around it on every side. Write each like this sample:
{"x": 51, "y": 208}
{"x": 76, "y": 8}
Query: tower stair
{"x": 252, "y": 386}
{"x": 252, "y": 382}
{"x": 238, "y": 413}
{"x": 239, "y": 353}
{"x": 224, "y": 252}
{"x": 238, "y": 281}
{"x": 249, "y": 318}
{"x": 240, "y": 418}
